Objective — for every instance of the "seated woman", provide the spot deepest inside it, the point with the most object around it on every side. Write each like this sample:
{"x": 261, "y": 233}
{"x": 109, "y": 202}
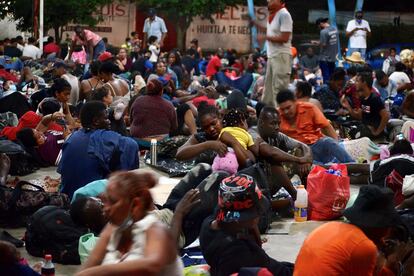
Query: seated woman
{"x": 91, "y": 84}
{"x": 161, "y": 72}
{"x": 152, "y": 117}
{"x": 101, "y": 151}
{"x": 174, "y": 64}
{"x": 118, "y": 87}
{"x": 104, "y": 95}
{"x": 205, "y": 145}
{"x": 123, "y": 62}
{"x": 135, "y": 242}
{"x": 60, "y": 91}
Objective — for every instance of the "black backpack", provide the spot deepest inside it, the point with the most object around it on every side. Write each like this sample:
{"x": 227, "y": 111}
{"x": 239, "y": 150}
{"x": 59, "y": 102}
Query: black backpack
{"x": 21, "y": 163}
{"x": 51, "y": 231}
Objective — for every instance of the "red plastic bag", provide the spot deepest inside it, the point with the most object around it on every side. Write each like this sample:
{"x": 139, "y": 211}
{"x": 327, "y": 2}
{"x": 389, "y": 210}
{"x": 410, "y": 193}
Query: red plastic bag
{"x": 328, "y": 192}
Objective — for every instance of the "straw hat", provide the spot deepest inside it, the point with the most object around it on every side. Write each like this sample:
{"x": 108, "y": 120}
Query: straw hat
{"x": 355, "y": 57}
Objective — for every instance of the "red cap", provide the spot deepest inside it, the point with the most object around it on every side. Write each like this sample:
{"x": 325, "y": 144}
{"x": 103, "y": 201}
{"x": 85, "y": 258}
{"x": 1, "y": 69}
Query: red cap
{"x": 48, "y": 257}
{"x": 105, "y": 56}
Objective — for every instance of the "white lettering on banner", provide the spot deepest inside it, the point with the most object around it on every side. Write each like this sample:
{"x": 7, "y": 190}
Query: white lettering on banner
{"x": 229, "y": 30}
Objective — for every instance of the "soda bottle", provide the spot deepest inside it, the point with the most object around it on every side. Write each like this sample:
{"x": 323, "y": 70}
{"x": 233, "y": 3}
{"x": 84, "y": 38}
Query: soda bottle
{"x": 301, "y": 204}
{"x": 48, "y": 269}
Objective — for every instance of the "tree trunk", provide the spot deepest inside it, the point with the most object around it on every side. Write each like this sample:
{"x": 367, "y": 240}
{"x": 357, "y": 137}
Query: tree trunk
{"x": 182, "y": 27}
{"x": 57, "y": 34}
{"x": 181, "y": 36}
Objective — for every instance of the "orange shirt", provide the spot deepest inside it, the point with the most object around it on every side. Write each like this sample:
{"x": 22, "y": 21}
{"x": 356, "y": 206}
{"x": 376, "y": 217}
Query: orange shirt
{"x": 336, "y": 249}
{"x": 309, "y": 121}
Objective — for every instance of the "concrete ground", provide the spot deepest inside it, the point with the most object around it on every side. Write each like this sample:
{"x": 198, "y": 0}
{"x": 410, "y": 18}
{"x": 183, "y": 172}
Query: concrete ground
{"x": 284, "y": 238}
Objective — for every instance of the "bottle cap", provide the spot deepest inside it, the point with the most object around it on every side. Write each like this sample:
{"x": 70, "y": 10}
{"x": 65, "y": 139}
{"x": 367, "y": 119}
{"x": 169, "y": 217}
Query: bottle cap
{"x": 153, "y": 141}
{"x": 48, "y": 257}
{"x": 300, "y": 187}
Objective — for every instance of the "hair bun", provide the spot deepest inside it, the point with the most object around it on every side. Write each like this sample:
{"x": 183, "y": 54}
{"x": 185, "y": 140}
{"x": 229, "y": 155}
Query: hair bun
{"x": 154, "y": 87}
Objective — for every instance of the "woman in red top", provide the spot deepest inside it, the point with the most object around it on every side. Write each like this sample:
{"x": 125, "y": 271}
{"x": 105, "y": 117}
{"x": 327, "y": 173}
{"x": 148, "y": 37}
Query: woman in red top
{"x": 152, "y": 116}
{"x": 30, "y": 119}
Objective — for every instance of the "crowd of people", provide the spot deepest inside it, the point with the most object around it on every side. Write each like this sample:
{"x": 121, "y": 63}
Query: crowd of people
{"x": 250, "y": 123}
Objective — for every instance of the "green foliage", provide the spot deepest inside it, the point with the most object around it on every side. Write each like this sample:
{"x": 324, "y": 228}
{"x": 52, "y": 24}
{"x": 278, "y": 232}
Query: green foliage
{"x": 57, "y": 13}
{"x": 185, "y": 10}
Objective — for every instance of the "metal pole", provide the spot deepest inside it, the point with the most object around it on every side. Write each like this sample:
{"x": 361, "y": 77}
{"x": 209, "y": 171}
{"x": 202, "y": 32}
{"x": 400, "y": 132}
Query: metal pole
{"x": 332, "y": 19}
{"x": 252, "y": 15}
{"x": 41, "y": 11}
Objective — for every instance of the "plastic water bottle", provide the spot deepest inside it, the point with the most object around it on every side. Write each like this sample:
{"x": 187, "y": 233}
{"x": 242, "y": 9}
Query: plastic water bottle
{"x": 301, "y": 204}
{"x": 153, "y": 152}
{"x": 48, "y": 268}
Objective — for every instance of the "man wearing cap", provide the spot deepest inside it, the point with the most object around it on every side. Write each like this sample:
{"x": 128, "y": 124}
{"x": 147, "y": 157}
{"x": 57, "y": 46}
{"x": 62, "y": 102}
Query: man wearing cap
{"x": 338, "y": 248}
{"x": 329, "y": 47}
{"x": 278, "y": 36}
{"x": 357, "y": 30}
{"x": 230, "y": 240}
{"x": 154, "y": 26}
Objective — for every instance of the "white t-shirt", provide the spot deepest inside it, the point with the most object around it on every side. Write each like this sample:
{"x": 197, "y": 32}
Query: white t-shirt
{"x": 282, "y": 22}
{"x": 31, "y": 51}
{"x": 359, "y": 38}
{"x": 155, "y": 28}
{"x": 154, "y": 53}
{"x": 74, "y": 92}
{"x": 400, "y": 78}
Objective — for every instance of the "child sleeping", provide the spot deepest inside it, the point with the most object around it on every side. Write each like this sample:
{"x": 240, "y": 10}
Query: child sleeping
{"x": 235, "y": 123}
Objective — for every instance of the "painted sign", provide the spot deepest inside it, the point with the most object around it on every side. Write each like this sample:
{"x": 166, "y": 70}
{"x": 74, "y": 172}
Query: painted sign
{"x": 229, "y": 30}
{"x": 118, "y": 22}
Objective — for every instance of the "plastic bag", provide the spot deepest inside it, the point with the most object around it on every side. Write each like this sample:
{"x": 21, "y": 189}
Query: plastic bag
{"x": 329, "y": 192}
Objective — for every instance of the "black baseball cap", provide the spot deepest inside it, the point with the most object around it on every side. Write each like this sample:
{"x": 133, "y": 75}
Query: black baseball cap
{"x": 321, "y": 20}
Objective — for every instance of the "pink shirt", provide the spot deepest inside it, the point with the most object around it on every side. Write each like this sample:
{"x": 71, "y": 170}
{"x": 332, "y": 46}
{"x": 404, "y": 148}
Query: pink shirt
{"x": 89, "y": 36}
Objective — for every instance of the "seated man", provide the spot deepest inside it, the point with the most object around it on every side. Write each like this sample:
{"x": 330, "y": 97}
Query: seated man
{"x": 328, "y": 95}
{"x": 93, "y": 152}
{"x": 309, "y": 63}
{"x": 386, "y": 87}
{"x": 230, "y": 239}
{"x": 304, "y": 94}
{"x": 338, "y": 248}
{"x": 274, "y": 149}
{"x": 306, "y": 123}
{"x": 372, "y": 114}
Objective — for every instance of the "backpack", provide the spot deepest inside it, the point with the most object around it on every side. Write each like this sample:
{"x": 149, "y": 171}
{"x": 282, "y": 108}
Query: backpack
{"x": 51, "y": 231}
{"x": 19, "y": 203}
{"x": 21, "y": 163}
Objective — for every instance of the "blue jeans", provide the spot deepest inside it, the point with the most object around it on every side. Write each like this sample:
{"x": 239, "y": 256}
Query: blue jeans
{"x": 363, "y": 51}
{"x": 243, "y": 83}
{"x": 327, "y": 69}
{"x": 327, "y": 150}
{"x": 98, "y": 49}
